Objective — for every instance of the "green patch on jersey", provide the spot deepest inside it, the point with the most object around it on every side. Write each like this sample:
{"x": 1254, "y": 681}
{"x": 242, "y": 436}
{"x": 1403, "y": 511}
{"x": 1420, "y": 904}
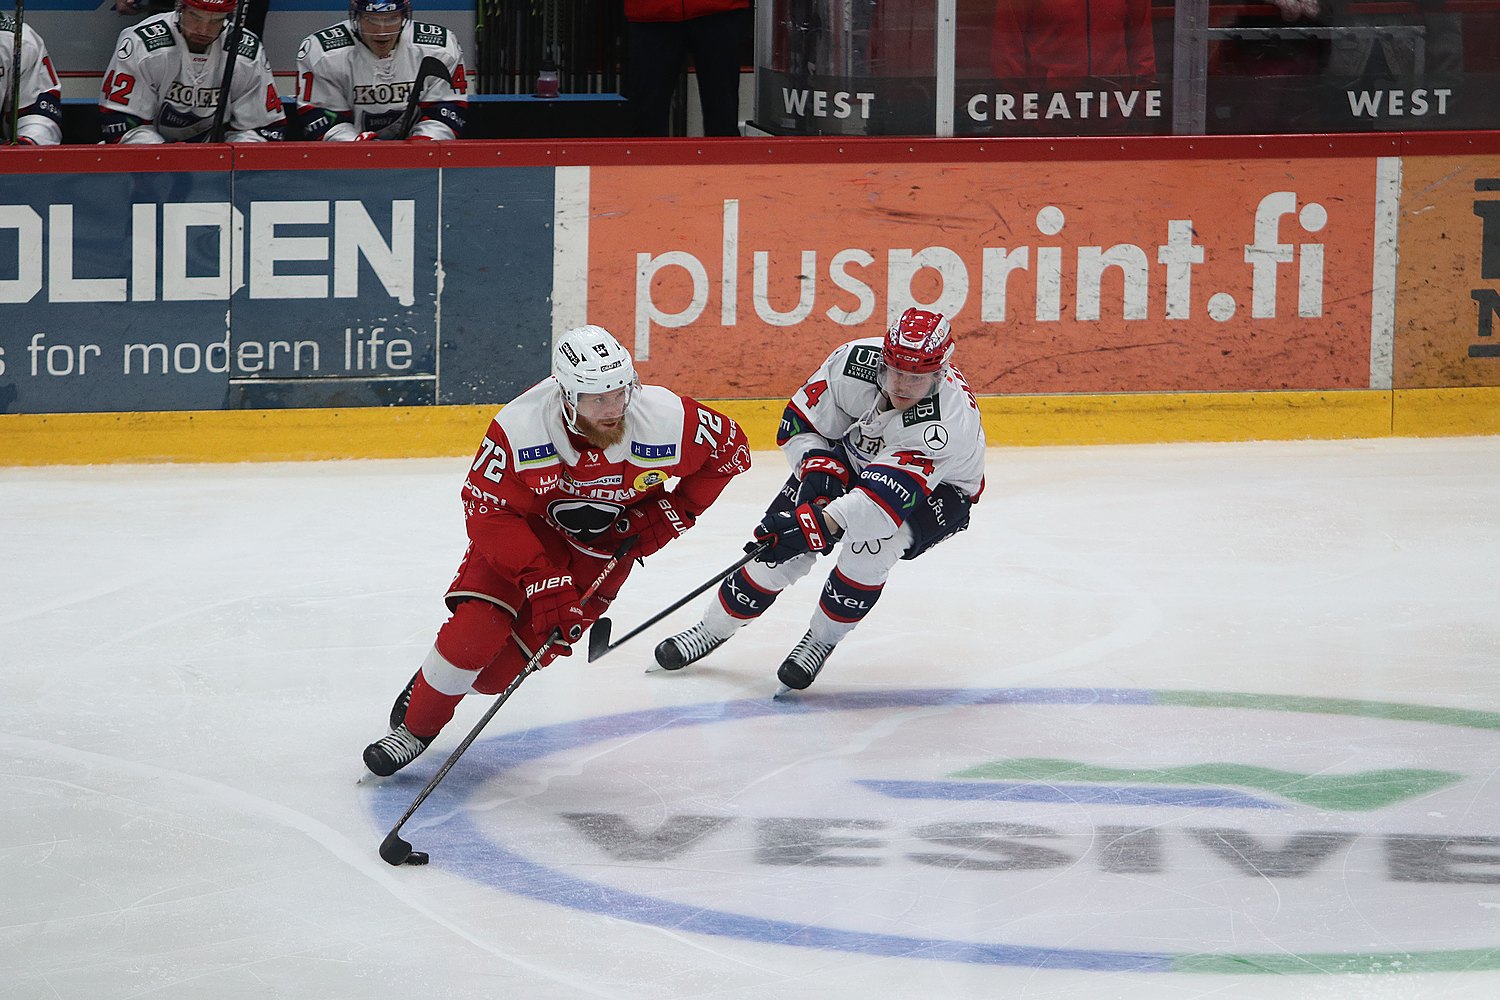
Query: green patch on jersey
{"x": 430, "y": 34}
{"x": 249, "y": 45}
{"x": 336, "y": 37}
{"x": 156, "y": 35}
{"x": 921, "y": 412}
{"x": 861, "y": 363}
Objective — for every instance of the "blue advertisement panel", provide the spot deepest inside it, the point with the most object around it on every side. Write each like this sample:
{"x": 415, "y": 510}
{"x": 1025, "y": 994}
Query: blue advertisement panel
{"x": 497, "y": 291}
{"x": 114, "y": 291}
{"x": 339, "y": 302}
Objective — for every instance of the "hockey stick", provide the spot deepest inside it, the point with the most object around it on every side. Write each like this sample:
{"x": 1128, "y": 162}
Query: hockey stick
{"x": 599, "y": 643}
{"x": 394, "y": 850}
{"x": 15, "y": 75}
{"x": 231, "y": 56}
{"x": 429, "y": 67}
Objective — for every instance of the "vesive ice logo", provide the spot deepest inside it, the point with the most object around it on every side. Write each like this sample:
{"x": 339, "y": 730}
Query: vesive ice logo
{"x": 1340, "y": 836}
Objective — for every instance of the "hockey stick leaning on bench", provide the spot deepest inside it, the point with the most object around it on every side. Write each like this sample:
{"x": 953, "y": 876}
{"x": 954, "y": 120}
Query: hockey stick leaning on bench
{"x": 15, "y": 74}
{"x": 394, "y": 850}
{"x": 235, "y": 33}
{"x": 429, "y": 67}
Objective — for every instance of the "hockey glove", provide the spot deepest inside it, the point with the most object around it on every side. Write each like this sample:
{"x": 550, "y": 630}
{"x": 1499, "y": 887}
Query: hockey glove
{"x": 825, "y": 477}
{"x": 806, "y": 529}
{"x": 367, "y": 137}
{"x": 554, "y": 604}
{"x": 653, "y": 524}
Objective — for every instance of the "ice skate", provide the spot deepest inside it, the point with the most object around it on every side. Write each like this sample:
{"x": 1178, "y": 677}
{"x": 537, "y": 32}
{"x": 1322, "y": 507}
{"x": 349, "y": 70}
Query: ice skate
{"x": 801, "y": 666}
{"x": 395, "y": 750}
{"x": 398, "y": 710}
{"x": 687, "y": 647}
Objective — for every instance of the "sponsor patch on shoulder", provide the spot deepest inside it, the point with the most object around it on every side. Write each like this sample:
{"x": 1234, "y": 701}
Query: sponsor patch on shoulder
{"x": 336, "y": 37}
{"x": 653, "y": 452}
{"x": 921, "y": 411}
{"x": 534, "y": 455}
{"x": 156, "y": 35}
{"x": 861, "y": 363}
{"x": 249, "y": 45}
{"x": 429, "y": 34}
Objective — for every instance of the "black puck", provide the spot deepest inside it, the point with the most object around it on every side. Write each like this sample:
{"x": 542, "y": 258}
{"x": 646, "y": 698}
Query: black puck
{"x": 416, "y": 858}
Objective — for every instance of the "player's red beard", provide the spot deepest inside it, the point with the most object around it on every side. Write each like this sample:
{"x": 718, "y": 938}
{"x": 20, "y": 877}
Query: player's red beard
{"x": 602, "y": 437}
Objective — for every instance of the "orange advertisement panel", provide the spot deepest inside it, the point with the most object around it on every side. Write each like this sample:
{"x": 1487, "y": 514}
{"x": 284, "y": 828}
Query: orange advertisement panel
{"x": 1085, "y": 277}
{"x": 1448, "y": 280}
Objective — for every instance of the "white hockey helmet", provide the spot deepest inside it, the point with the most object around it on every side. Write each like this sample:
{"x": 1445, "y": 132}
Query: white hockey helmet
{"x": 588, "y": 360}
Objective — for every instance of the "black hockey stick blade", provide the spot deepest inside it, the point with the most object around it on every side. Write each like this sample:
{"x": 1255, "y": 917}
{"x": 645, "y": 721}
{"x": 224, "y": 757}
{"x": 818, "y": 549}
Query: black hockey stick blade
{"x": 397, "y": 852}
{"x": 599, "y": 638}
{"x": 429, "y": 67}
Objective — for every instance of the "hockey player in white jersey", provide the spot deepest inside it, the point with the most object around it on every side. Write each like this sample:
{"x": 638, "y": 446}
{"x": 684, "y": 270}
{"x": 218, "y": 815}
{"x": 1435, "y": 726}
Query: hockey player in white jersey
{"x": 163, "y": 81}
{"x": 40, "y": 120}
{"x": 354, "y": 78}
{"x": 887, "y": 455}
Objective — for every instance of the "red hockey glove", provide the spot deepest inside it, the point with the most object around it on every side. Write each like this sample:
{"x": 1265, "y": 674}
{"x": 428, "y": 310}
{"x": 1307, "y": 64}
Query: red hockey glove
{"x": 552, "y": 604}
{"x": 793, "y": 532}
{"x": 654, "y": 524}
{"x": 366, "y": 137}
{"x": 825, "y": 477}
{"x": 420, "y": 138}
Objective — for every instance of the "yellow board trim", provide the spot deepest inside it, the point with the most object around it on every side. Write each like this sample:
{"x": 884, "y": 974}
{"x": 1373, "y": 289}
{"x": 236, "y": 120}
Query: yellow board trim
{"x": 451, "y": 431}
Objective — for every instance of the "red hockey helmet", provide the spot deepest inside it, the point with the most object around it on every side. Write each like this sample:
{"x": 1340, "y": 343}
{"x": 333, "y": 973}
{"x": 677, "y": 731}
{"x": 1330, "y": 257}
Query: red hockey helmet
{"x": 914, "y": 358}
{"x": 211, "y": 6}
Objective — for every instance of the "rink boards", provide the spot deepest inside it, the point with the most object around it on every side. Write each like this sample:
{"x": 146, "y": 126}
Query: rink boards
{"x": 306, "y": 301}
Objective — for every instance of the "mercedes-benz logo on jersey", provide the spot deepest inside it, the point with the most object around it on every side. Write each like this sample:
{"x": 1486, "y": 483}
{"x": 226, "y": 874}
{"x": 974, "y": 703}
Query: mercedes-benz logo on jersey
{"x": 585, "y": 520}
{"x": 935, "y": 437}
{"x": 125, "y": 49}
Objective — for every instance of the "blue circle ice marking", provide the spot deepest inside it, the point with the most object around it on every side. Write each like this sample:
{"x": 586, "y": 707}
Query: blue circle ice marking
{"x": 460, "y": 846}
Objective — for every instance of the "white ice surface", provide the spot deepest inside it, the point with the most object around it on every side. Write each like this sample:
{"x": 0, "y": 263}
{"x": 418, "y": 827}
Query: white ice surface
{"x": 192, "y": 657}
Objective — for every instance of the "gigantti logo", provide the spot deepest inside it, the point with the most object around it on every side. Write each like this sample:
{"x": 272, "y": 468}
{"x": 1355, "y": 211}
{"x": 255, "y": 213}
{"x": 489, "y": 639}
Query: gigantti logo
{"x": 1111, "y": 830}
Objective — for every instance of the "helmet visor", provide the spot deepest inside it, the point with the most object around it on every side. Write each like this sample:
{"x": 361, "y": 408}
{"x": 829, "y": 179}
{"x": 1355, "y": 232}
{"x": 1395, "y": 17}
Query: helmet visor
{"x": 605, "y": 407}
{"x": 905, "y": 388}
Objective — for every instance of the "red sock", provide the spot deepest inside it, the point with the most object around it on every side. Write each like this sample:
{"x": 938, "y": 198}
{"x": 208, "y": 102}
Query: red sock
{"x": 430, "y": 709}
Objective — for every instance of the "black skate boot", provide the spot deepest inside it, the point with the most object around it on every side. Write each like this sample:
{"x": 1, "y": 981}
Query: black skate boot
{"x": 398, "y": 710}
{"x": 801, "y": 666}
{"x": 687, "y": 647}
{"x": 395, "y": 750}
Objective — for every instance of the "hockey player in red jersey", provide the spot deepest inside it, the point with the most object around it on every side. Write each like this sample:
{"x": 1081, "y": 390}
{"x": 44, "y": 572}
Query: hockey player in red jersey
{"x": 887, "y": 454}
{"x": 568, "y": 471}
